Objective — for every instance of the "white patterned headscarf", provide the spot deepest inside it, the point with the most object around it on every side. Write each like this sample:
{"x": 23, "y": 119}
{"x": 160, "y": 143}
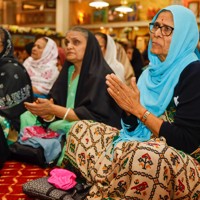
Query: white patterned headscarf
{"x": 43, "y": 72}
{"x": 111, "y": 58}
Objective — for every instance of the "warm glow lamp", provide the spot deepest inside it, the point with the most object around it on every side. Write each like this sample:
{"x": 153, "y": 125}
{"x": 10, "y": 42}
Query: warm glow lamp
{"x": 98, "y": 4}
{"x": 124, "y": 8}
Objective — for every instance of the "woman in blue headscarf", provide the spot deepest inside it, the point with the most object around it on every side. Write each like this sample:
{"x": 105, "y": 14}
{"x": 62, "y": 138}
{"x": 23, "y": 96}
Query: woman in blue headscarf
{"x": 149, "y": 157}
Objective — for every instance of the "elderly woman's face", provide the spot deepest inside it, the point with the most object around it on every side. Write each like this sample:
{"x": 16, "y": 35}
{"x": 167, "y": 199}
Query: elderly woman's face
{"x": 161, "y": 43}
{"x": 75, "y": 45}
{"x": 38, "y": 48}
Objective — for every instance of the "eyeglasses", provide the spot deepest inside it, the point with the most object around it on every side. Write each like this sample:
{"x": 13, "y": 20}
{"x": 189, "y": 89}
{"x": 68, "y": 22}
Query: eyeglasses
{"x": 165, "y": 30}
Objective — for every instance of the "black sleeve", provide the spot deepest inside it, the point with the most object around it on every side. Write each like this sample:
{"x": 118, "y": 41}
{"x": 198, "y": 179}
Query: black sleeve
{"x": 96, "y": 104}
{"x": 184, "y": 132}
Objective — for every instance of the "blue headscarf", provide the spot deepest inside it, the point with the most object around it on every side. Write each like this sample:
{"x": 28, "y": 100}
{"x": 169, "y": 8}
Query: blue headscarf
{"x": 158, "y": 81}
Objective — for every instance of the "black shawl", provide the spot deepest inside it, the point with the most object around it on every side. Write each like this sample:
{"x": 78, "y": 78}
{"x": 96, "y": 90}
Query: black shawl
{"x": 92, "y": 100}
{"x": 15, "y": 84}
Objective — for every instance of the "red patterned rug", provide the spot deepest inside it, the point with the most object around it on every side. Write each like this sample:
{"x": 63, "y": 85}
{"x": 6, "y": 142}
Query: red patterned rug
{"x": 13, "y": 175}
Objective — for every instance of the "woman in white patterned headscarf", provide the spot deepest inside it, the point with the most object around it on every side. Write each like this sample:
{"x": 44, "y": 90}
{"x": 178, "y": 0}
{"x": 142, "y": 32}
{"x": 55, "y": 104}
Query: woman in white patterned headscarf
{"x": 42, "y": 66}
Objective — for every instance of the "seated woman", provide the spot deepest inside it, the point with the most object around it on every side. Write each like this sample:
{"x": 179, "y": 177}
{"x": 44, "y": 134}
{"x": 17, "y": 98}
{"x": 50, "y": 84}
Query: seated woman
{"x": 15, "y": 88}
{"x": 109, "y": 51}
{"x": 149, "y": 157}
{"x": 135, "y": 58}
{"x": 61, "y": 58}
{"x": 123, "y": 58}
{"x": 80, "y": 92}
{"x": 42, "y": 66}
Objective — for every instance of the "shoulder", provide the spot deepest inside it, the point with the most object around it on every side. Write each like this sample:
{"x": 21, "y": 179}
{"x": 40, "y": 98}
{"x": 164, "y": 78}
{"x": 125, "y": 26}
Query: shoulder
{"x": 192, "y": 69}
{"x": 191, "y": 72}
{"x": 28, "y": 61}
{"x": 190, "y": 76}
{"x": 12, "y": 66}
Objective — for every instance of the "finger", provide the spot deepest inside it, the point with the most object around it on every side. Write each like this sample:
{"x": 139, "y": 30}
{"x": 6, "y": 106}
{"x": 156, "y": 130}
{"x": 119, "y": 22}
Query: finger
{"x": 118, "y": 83}
{"x": 111, "y": 92}
{"x": 114, "y": 83}
{"x": 41, "y": 100}
{"x": 108, "y": 76}
{"x": 116, "y": 98}
{"x": 115, "y": 95}
{"x": 29, "y": 104}
{"x": 111, "y": 86}
{"x": 133, "y": 84}
{"x": 115, "y": 80}
{"x": 51, "y": 100}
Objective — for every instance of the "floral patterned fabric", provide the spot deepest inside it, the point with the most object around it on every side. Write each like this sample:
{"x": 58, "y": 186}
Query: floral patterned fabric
{"x": 132, "y": 170}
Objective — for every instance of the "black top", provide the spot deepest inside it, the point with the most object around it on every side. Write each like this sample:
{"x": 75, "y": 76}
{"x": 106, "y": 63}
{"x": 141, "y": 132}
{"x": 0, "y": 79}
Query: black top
{"x": 92, "y": 101}
{"x": 184, "y": 132}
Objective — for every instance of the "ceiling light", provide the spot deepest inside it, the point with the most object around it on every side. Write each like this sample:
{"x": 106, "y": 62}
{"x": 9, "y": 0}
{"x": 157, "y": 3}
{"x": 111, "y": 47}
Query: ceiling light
{"x": 124, "y": 8}
{"x": 98, "y": 4}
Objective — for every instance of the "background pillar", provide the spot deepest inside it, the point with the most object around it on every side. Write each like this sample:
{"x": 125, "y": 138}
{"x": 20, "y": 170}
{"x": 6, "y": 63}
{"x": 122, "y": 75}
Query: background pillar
{"x": 62, "y": 16}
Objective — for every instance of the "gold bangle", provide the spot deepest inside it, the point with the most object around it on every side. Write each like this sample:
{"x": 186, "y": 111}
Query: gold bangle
{"x": 145, "y": 116}
{"x": 50, "y": 120}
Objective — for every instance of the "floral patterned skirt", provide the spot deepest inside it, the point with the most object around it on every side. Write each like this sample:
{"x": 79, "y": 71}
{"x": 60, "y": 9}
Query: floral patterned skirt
{"x": 132, "y": 170}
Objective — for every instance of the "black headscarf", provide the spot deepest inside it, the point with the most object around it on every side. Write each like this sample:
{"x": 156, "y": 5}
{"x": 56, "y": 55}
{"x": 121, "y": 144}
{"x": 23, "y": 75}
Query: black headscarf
{"x": 92, "y": 100}
{"x": 15, "y": 84}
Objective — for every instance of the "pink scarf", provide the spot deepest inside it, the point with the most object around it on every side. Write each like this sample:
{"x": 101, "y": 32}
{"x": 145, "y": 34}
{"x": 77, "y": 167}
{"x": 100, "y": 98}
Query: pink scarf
{"x": 62, "y": 179}
{"x": 38, "y": 131}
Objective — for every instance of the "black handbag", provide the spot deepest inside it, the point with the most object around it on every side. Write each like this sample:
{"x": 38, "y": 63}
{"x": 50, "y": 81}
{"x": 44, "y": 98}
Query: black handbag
{"x": 32, "y": 155}
{"x": 28, "y": 154}
{"x": 42, "y": 190}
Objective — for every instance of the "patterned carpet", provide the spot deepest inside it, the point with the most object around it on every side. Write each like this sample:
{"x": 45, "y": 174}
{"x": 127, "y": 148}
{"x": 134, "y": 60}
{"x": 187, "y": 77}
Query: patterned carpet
{"x": 13, "y": 175}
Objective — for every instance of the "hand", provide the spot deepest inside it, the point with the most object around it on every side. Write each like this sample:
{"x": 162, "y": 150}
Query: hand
{"x": 35, "y": 90}
{"x": 128, "y": 98}
{"x": 41, "y": 107}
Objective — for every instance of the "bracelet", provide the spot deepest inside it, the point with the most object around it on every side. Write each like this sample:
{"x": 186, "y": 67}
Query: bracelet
{"x": 144, "y": 116}
{"x": 67, "y": 112}
{"x": 50, "y": 120}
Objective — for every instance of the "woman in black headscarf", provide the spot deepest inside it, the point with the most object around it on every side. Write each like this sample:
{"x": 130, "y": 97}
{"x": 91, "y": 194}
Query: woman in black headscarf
{"x": 80, "y": 91}
{"x": 15, "y": 88}
{"x": 15, "y": 85}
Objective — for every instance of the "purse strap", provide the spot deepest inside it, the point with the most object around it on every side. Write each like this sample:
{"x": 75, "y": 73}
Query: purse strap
{"x": 50, "y": 190}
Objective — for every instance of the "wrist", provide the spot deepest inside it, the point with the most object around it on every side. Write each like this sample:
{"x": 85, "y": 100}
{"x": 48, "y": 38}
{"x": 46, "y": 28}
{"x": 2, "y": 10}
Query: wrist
{"x": 50, "y": 118}
{"x": 145, "y": 116}
{"x": 66, "y": 114}
{"x": 140, "y": 111}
